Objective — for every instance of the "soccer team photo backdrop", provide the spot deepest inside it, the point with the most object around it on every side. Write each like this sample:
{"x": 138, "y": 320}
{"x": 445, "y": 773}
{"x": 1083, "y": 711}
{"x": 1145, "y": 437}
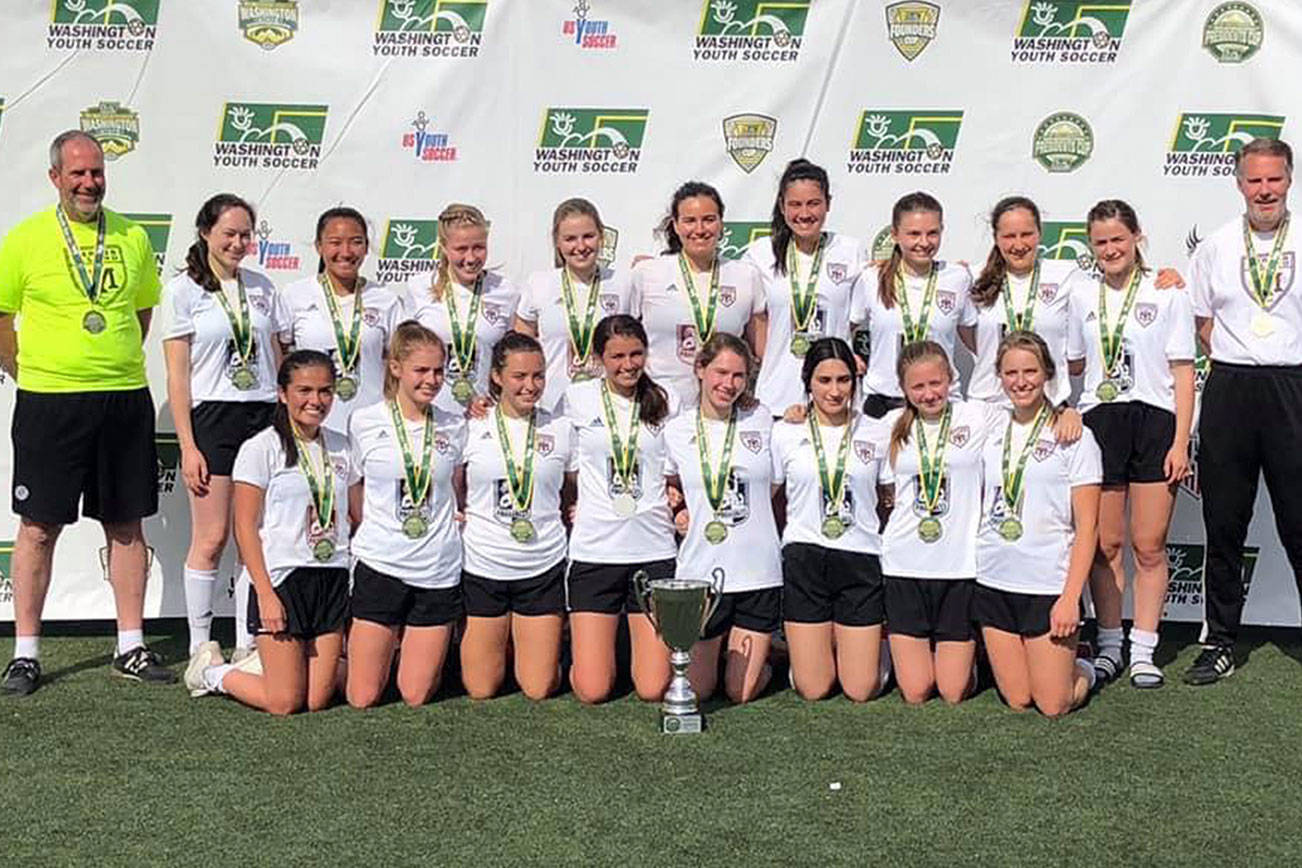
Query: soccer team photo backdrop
{"x": 397, "y": 107}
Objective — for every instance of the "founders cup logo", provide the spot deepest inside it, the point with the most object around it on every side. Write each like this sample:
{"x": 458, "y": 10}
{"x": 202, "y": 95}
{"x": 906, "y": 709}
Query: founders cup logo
{"x": 1233, "y": 32}
{"x": 749, "y": 138}
{"x": 756, "y": 30}
{"x": 430, "y": 28}
{"x": 409, "y": 247}
{"x": 268, "y": 23}
{"x": 911, "y": 26}
{"x": 1063, "y": 142}
{"x": 257, "y": 135}
{"x": 904, "y": 142}
{"x": 102, "y": 25}
{"x": 594, "y": 140}
{"x": 114, "y": 126}
{"x": 1070, "y": 31}
{"x": 1204, "y": 143}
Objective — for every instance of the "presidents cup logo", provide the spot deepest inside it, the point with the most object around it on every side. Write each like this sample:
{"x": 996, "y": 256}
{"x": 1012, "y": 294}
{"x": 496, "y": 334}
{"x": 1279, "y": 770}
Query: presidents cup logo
{"x": 609, "y": 244}
{"x": 1063, "y": 142}
{"x": 1185, "y": 564}
{"x": 1233, "y": 32}
{"x": 911, "y": 26}
{"x": 409, "y": 247}
{"x": 590, "y": 140}
{"x": 274, "y": 255}
{"x": 159, "y": 228}
{"x": 258, "y": 135}
{"x": 114, "y": 126}
{"x": 904, "y": 142}
{"x": 749, "y": 138}
{"x": 425, "y": 145}
{"x": 586, "y": 32}
{"x": 1068, "y": 241}
{"x": 1204, "y": 143}
{"x": 430, "y": 28}
{"x": 883, "y": 245}
{"x": 102, "y": 25}
{"x": 755, "y": 30}
{"x": 738, "y": 235}
{"x": 168, "y": 449}
{"x": 1070, "y": 31}
{"x": 268, "y": 24}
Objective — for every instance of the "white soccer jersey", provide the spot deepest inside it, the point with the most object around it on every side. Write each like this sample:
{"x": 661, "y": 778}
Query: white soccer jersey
{"x": 289, "y": 526}
{"x": 434, "y": 559}
{"x": 1035, "y": 563}
{"x": 1242, "y": 333}
{"x": 779, "y": 384}
{"x": 952, "y": 308}
{"x": 601, "y": 535}
{"x": 808, "y": 505}
{"x": 749, "y": 559}
{"x": 190, "y": 311}
{"x": 497, "y": 308}
{"x": 1050, "y": 321}
{"x": 382, "y": 310}
{"x": 542, "y": 303}
{"x": 953, "y": 556}
{"x": 659, "y": 299}
{"x": 1158, "y": 331}
{"x": 490, "y": 550}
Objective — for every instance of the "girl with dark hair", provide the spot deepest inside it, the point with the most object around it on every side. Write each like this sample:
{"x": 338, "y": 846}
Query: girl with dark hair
{"x": 911, "y": 297}
{"x": 513, "y": 581}
{"x": 292, "y": 528}
{"x": 808, "y": 273}
{"x": 690, "y": 293}
{"x": 222, "y": 330}
{"x": 344, "y": 315}
{"x": 407, "y": 549}
{"x": 562, "y": 305}
{"x": 622, "y": 522}
{"x": 719, "y": 460}
{"x": 1138, "y": 398}
{"x": 832, "y": 598}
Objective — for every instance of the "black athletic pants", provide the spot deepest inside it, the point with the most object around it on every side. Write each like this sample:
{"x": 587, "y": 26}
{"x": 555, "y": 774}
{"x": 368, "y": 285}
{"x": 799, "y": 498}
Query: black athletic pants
{"x": 1251, "y": 423}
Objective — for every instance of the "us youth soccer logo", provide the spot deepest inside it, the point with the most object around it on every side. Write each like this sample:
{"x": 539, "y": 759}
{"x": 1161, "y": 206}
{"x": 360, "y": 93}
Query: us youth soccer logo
{"x": 1070, "y": 31}
{"x": 738, "y": 235}
{"x": 586, "y": 32}
{"x": 409, "y": 247}
{"x": 904, "y": 142}
{"x": 426, "y": 145}
{"x": 159, "y": 228}
{"x": 609, "y": 244}
{"x": 102, "y": 25}
{"x": 1067, "y": 240}
{"x": 590, "y": 140}
{"x": 1233, "y": 32}
{"x": 268, "y": 24}
{"x": 430, "y": 28}
{"x": 274, "y": 255}
{"x": 1185, "y": 566}
{"x": 115, "y": 126}
{"x": 1063, "y": 142}
{"x": 1204, "y": 143}
{"x": 751, "y": 30}
{"x": 749, "y": 138}
{"x": 259, "y": 135}
{"x": 911, "y": 26}
{"x": 168, "y": 449}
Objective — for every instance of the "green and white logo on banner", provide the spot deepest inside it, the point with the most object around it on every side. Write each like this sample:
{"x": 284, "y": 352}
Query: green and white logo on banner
{"x": 1233, "y": 32}
{"x": 1070, "y": 31}
{"x": 260, "y": 135}
{"x": 592, "y": 140}
{"x": 168, "y": 449}
{"x": 159, "y": 228}
{"x": 102, "y": 25}
{"x": 115, "y": 126}
{"x": 6, "y": 571}
{"x": 1063, "y": 142}
{"x": 749, "y": 139}
{"x": 430, "y": 28}
{"x": 1185, "y": 566}
{"x": 764, "y": 31}
{"x": 894, "y": 141}
{"x": 911, "y": 26}
{"x": 883, "y": 245}
{"x": 737, "y": 236}
{"x": 609, "y": 245}
{"x": 268, "y": 24}
{"x": 408, "y": 247}
{"x": 1204, "y": 143}
{"x": 1067, "y": 240}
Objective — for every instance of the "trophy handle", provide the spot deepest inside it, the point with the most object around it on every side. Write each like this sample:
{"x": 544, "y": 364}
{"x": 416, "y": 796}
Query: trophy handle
{"x": 713, "y": 596}
{"x": 642, "y": 590}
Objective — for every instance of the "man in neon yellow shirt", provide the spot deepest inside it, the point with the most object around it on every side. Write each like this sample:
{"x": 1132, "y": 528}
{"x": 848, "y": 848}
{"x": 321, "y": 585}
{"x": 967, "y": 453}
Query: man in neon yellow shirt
{"x": 82, "y": 283}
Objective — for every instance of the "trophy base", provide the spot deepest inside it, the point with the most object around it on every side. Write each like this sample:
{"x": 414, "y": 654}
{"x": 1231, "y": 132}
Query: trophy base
{"x": 680, "y": 724}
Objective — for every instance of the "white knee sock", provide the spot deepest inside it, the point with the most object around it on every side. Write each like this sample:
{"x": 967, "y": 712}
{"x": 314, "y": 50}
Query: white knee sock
{"x": 129, "y": 640}
{"x": 1110, "y": 642}
{"x": 198, "y": 605}
{"x": 243, "y": 638}
{"x": 27, "y": 646}
{"x": 1142, "y": 645}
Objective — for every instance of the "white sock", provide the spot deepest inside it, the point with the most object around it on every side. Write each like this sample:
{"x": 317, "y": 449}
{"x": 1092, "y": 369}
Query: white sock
{"x": 1110, "y": 642}
{"x": 213, "y": 675}
{"x": 198, "y": 605}
{"x": 243, "y": 638}
{"x": 1086, "y": 668}
{"x": 27, "y": 646}
{"x": 1142, "y": 645}
{"x": 129, "y": 640}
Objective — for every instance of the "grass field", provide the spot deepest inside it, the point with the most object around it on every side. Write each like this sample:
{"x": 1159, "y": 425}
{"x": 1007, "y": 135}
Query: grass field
{"x": 96, "y": 770}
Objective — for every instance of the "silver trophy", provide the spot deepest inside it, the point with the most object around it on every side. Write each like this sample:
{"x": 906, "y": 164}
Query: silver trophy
{"x": 679, "y": 610}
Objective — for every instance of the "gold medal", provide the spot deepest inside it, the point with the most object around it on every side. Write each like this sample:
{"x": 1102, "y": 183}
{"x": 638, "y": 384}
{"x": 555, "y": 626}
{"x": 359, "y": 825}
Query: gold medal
{"x": 833, "y": 527}
{"x": 1263, "y": 324}
{"x": 323, "y": 550}
{"x": 94, "y": 322}
{"x": 930, "y": 530}
{"x": 522, "y": 530}
{"x": 463, "y": 390}
{"x": 1010, "y": 529}
{"x": 243, "y": 378}
{"x": 799, "y": 345}
{"x": 624, "y": 505}
{"x": 715, "y": 532}
{"x": 346, "y": 388}
{"x": 1107, "y": 391}
{"x": 415, "y": 526}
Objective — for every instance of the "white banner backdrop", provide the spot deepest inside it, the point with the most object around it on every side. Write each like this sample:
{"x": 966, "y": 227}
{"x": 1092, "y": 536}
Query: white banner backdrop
{"x": 397, "y": 107}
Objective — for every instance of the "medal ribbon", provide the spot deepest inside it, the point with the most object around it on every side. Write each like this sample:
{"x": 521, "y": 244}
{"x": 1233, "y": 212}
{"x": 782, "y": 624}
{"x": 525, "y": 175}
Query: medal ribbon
{"x": 465, "y": 335}
{"x": 715, "y": 483}
{"x": 1110, "y": 339}
{"x": 623, "y": 450}
{"x": 1012, "y": 493}
{"x": 418, "y": 476}
{"x": 1263, "y": 278}
{"x": 241, "y": 322}
{"x": 322, "y": 488}
{"x": 350, "y": 342}
{"x": 704, "y": 320}
{"x": 803, "y": 303}
{"x": 916, "y": 331}
{"x": 89, "y": 280}
{"x": 1021, "y": 322}
{"x": 834, "y": 486}
{"x": 932, "y": 464}
{"x": 518, "y": 476}
{"x": 580, "y": 333}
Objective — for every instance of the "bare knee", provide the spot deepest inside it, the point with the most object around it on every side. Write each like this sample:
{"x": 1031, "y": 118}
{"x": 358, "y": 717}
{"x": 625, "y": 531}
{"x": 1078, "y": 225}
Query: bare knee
{"x": 537, "y": 691}
{"x": 1149, "y": 554}
{"x": 39, "y": 534}
{"x": 124, "y": 533}
{"x": 861, "y": 692}
{"x": 813, "y": 689}
{"x": 918, "y": 693}
{"x": 590, "y": 694}
{"x": 283, "y": 705}
{"x": 1054, "y": 707}
{"x": 1019, "y": 701}
{"x": 952, "y": 696}
{"x": 320, "y": 703}
{"x": 206, "y": 550}
{"x": 360, "y": 696}
{"x": 417, "y": 698}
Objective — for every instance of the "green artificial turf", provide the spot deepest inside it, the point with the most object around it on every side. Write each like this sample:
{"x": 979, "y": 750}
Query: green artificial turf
{"x": 98, "y": 771}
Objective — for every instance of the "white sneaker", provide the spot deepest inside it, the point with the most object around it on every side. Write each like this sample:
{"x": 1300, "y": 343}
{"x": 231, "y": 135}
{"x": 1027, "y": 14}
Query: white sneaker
{"x": 242, "y": 651}
{"x": 207, "y": 654}
{"x": 250, "y": 662}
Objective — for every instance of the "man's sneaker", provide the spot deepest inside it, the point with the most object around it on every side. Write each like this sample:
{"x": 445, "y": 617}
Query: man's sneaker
{"x": 141, "y": 664}
{"x": 207, "y": 654}
{"x": 21, "y": 677}
{"x": 1214, "y": 663}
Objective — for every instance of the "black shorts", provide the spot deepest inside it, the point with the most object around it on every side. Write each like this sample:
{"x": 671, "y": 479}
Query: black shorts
{"x": 315, "y": 601}
{"x": 608, "y": 588}
{"x": 221, "y": 427}
{"x": 543, "y": 594}
{"x": 1027, "y": 615}
{"x": 93, "y": 447}
{"x": 936, "y": 609}
{"x": 824, "y": 584}
{"x": 750, "y": 610}
{"x": 876, "y": 406}
{"x": 1134, "y": 438}
{"x": 383, "y": 599}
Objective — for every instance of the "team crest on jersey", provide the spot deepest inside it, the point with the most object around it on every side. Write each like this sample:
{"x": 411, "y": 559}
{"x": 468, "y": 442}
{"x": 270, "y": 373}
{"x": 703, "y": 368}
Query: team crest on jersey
{"x": 441, "y": 442}
{"x": 102, "y": 25}
{"x": 752, "y": 440}
{"x": 115, "y": 126}
{"x": 959, "y": 436}
{"x": 1233, "y": 32}
{"x": 1048, "y": 292}
{"x": 727, "y": 295}
{"x": 1204, "y": 143}
{"x": 544, "y": 443}
{"x": 749, "y": 138}
{"x": 371, "y": 316}
{"x": 268, "y": 24}
{"x": 260, "y": 304}
{"x": 1043, "y": 449}
{"x": 837, "y": 272}
{"x": 864, "y": 450}
{"x": 609, "y": 303}
{"x": 946, "y": 300}
{"x": 493, "y": 313}
{"x": 911, "y": 26}
{"x": 340, "y": 466}
{"x": 1146, "y": 313}
{"x": 1283, "y": 275}
{"x": 430, "y": 28}
{"x": 687, "y": 343}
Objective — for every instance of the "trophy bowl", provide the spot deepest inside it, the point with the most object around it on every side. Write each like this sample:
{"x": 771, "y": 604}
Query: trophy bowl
{"x": 678, "y": 610}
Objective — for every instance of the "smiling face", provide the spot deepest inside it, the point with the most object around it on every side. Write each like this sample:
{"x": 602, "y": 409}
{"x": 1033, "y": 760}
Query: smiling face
{"x": 804, "y": 208}
{"x": 309, "y": 396}
{"x": 832, "y": 388}
{"x": 578, "y": 241}
{"x": 521, "y": 381}
{"x": 926, "y": 385}
{"x": 1022, "y": 376}
{"x": 1018, "y": 238}
{"x": 723, "y": 380}
{"x": 1115, "y": 246}
{"x": 342, "y": 246}
{"x": 918, "y": 234}
{"x": 80, "y": 178}
{"x": 1264, "y": 181}
{"x": 466, "y": 249}
{"x": 229, "y": 238}
{"x": 624, "y": 358}
{"x": 698, "y": 224}
{"x": 419, "y": 374}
